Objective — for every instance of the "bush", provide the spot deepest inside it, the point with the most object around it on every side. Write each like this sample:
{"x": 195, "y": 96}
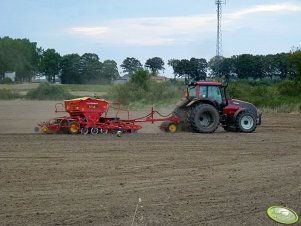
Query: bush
{"x": 156, "y": 93}
{"x": 7, "y": 94}
{"x": 289, "y": 88}
{"x": 45, "y": 91}
{"x": 6, "y": 81}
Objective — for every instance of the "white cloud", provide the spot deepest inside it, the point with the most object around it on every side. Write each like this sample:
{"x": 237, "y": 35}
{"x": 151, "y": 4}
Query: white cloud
{"x": 90, "y": 31}
{"x": 152, "y": 31}
{"x": 159, "y": 31}
{"x": 271, "y": 8}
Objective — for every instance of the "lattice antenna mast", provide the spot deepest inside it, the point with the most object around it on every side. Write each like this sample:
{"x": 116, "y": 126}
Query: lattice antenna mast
{"x": 219, "y": 44}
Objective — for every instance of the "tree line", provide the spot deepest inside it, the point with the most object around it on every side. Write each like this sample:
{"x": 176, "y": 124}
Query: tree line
{"x": 28, "y": 61}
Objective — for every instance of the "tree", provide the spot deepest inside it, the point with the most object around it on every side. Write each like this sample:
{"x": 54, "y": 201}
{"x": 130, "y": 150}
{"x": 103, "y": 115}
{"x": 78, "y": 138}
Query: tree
{"x": 90, "y": 68}
{"x": 140, "y": 78}
{"x": 198, "y": 69}
{"x": 109, "y": 71}
{"x": 130, "y": 65}
{"x": 182, "y": 68}
{"x": 71, "y": 69}
{"x": 193, "y": 69}
{"x": 19, "y": 55}
{"x": 50, "y": 64}
{"x": 225, "y": 67}
{"x": 173, "y": 63}
{"x": 155, "y": 64}
{"x": 295, "y": 64}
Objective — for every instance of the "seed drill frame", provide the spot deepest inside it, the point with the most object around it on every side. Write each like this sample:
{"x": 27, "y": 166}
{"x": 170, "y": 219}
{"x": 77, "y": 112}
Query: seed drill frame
{"x": 90, "y": 115}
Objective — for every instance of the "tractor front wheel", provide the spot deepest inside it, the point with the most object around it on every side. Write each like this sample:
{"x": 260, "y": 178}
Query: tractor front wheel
{"x": 246, "y": 122}
{"x": 204, "y": 118}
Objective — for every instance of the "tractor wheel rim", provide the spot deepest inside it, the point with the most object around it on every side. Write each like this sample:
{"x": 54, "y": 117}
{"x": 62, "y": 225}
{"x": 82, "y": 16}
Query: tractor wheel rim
{"x": 172, "y": 128}
{"x": 247, "y": 122}
{"x": 205, "y": 119}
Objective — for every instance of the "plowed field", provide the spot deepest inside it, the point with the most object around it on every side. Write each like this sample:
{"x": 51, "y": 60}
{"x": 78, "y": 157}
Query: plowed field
{"x": 180, "y": 179}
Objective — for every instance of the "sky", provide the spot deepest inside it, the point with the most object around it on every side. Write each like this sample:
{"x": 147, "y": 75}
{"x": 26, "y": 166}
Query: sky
{"x": 179, "y": 29}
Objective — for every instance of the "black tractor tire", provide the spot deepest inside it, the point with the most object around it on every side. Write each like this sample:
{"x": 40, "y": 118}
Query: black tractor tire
{"x": 246, "y": 122}
{"x": 204, "y": 118}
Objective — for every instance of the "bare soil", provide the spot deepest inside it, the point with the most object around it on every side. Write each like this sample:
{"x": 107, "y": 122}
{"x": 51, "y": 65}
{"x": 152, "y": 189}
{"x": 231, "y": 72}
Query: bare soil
{"x": 181, "y": 179}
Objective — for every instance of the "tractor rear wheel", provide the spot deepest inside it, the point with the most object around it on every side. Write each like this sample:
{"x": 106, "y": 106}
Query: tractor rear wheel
{"x": 204, "y": 118}
{"x": 246, "y": 122}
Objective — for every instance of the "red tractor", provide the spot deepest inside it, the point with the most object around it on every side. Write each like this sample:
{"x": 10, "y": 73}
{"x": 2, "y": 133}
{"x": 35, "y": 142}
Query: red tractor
{"x": 206, "y": 106}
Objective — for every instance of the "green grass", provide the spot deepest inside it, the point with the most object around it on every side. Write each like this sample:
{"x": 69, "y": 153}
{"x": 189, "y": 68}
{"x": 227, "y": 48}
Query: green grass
{"x": 88, "y": 88}
{"x": 158, "y": 94}
{"x": 284, "y": 96}
{"x": 8, "y": 94}
{"x": 19, "y": 87}
{"x": 46, "y": 91}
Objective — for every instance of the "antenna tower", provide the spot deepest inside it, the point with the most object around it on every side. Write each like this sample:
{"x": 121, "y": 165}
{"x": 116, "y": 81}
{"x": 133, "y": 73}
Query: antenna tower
{"x": 219, "y": 45}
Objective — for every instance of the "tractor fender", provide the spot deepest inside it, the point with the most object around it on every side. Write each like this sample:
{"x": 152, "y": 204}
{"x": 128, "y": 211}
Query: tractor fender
{"x": 201, "y": 100}
{"x": 238, "y": 112}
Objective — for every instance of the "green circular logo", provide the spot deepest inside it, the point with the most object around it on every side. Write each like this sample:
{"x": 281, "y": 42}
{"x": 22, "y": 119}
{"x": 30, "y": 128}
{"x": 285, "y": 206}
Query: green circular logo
{"x": 282, "y": 215}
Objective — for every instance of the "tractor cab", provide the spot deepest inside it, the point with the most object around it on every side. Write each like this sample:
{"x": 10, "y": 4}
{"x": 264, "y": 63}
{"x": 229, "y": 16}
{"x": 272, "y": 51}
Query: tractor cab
{"x": 213, "y": 92}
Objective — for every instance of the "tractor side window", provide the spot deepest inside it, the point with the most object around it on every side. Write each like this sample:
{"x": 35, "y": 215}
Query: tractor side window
{"x": 214, "y": 93}
{"x": 203, "y": 91}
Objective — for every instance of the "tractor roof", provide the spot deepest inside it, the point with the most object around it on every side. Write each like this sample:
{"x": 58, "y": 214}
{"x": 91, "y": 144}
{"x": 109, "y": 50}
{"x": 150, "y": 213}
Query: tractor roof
{"x": 209, "y": 83}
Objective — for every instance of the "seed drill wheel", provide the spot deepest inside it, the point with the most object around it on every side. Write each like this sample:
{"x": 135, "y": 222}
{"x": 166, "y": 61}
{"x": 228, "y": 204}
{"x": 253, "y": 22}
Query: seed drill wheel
{"x": 169, "y": 127}
{"x": 73, "y": 128}
{"x": 84, "y": 130}
{"x": 172, "y": 128}
{"x": 45, "y": 130}
{"x": 104, "y": 131}
{"x": 94, "y": 131}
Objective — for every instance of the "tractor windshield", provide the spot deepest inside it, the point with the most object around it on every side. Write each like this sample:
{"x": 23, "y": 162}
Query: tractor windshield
{"x": 214, "y": 93}
{"x": 211, "y": 92}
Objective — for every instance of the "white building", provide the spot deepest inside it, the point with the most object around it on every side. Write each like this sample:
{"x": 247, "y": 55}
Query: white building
{"x": 11, "y": 75}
